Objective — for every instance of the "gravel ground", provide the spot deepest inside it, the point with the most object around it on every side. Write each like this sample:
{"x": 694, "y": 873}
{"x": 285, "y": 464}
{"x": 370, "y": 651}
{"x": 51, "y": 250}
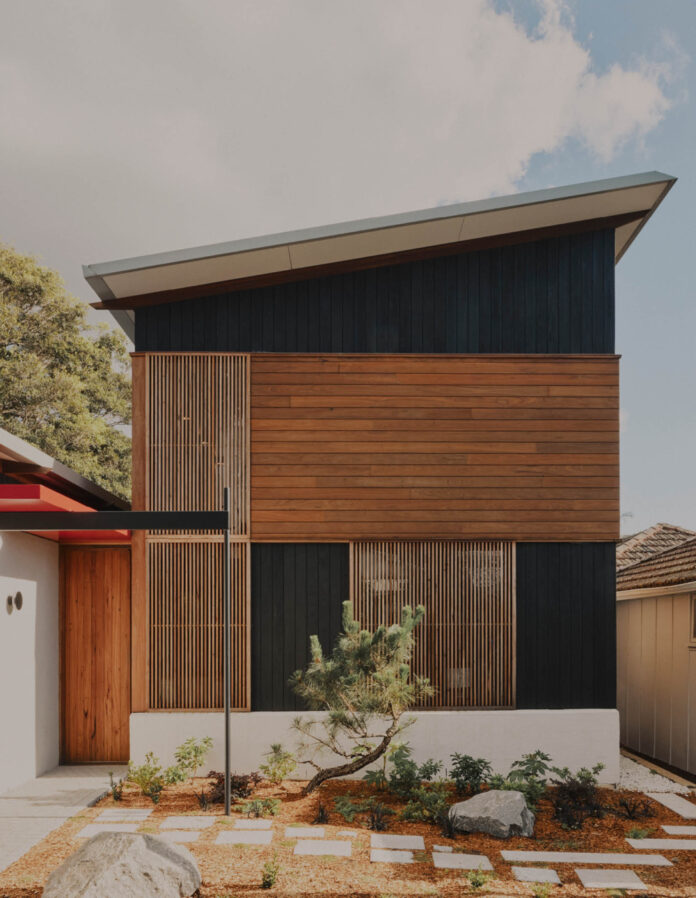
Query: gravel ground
{"x": 641, "y": 779}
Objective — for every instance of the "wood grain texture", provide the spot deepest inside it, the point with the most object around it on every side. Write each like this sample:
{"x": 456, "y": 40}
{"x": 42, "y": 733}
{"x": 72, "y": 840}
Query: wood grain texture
{"x": 466, "y": 643}
{"x": 94, "y": 654}
{"x": 139, "y": 624}
{"x": 362, "y": 447}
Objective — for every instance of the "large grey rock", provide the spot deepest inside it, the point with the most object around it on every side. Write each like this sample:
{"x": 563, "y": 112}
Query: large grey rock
{"x": 499, "y": 813}
{"x": 125, "y": 865}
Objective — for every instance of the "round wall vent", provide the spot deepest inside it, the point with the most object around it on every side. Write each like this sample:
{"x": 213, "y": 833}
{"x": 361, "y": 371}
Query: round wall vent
{"x": 18, "y": 601}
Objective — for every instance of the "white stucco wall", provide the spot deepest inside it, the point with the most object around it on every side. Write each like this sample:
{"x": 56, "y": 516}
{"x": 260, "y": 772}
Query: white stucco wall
{"x": 573, "y": 738}
{"x": 29, "y": 690}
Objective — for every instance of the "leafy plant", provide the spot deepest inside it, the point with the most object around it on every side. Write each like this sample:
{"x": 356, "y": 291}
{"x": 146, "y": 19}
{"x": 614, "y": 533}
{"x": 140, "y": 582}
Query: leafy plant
{"x": 405, "y": 776}
{"x": 366, "y": 686}
{"x": 637, "y": 833}
{"x": 270, "y": 872}
{"x": 347, "y": 808}
{"x": 241, "y": 786}
{"x": 203, "y": 800}
{"x": 430, "y": 804}
{"x": 532, "y": 766}
{"x": 469, "y": 774}
{"x": 576, "y": 796}
{"x": 322, "y": 815}
{"x": 477, "y": 879}
{"x": 260, "y": 807}
{"x": 190, "y": 755}
{"x": 528, "y": 776}
{"x": 541, "y": 889}
{"x": 634, "y": 808}
{"x": 148, "y": 777}
{"x": 280, "y": 764}
{"x": 116, "y": 787}
{"x": 377, "y": 815}
{"x": 174, "y": 775}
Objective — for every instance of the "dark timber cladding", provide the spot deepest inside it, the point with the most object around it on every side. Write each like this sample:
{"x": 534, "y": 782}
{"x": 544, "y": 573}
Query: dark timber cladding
{"x": 566, "y": 625}
{"x": 297, "y": 590}
{"x": 549, "y": 296}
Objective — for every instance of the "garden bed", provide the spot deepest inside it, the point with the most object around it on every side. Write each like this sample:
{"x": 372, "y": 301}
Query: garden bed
{"x": 230, "y": 870}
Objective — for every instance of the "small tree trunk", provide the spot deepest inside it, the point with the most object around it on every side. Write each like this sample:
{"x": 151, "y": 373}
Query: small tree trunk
{"x": 349, "y": 767}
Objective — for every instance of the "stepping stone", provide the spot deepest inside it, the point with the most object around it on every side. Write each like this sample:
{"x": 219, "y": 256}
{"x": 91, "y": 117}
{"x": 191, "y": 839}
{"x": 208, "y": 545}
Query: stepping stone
{"x": 304, "y": 832}
{"x": 664, "y": 844}
{"x": 445, "y": 848}
{"x": 252, "y": 824}
{"x": 240, "y": 837}
{"x": 180, "y": 835}
{"x": 187, "y": 822}
{"x": 685, "y": 809}
{"x": 123, "y": 815}
{"x": 349, "y": 833}
{"x": 586, "y": 857}
{"x": 610, "y": 879}
{"x": 405, "y": 842}
{"x": 535, "y": 874}
{"x": 390, "y": 856}
{"x": 93, "y": 829}
{"x": 461, "y": 861}
{"x": 680, "y": 830}
{"x": 323, "y": 846}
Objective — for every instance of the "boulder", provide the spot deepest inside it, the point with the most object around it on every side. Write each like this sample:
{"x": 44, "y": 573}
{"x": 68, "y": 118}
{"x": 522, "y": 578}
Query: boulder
{"x": 499, "y": 813}
{"x": 125, "y": 865}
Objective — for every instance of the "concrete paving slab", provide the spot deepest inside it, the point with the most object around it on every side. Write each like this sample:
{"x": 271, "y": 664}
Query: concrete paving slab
{"x": 379, "y": 840}
{"x": 321, "y": 847}
{"x": 685, "y": 809}
{"x": 664, "y": 844}
{"x": 536, "y": 874}
{"x": 680, "y": 830}
{"x": 616, "y": 859}
{"x": 610, "y": 879}
{"x": 34, "y": 809}
{"x": 93, "y": 829}
{"x": 241, "y": 837}
{"x": 196, "y": 822}
{"x": 304, "y": 832}
{"x": 445, "y": 848}
{"x": 461, "y": 861}
{"x": 390, "y": 856}
{"x": 252, "y": 824}
{"x": 123, "y": 815}
{"x": 179, "y": 835}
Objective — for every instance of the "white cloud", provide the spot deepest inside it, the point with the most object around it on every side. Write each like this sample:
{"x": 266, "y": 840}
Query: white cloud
{"x": 131, "y": 127}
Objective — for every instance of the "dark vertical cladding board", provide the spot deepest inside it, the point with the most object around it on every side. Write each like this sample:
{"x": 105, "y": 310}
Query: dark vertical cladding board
{"x": 297, "y": 590}
{"x": 566, "y": 625}
{"x": 549, "y": 296}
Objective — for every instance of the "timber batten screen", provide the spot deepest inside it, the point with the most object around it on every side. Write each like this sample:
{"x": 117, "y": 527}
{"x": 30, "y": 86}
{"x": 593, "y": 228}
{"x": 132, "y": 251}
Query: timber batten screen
{"x": 466, "y": 643}
{"x": 198, "y": 435}
{"x": 186, "y": 625}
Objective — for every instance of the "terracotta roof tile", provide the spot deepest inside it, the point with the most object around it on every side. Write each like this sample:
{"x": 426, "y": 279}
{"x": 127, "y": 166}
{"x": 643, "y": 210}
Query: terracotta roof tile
{"x": 666, "y": 568}
{"x": 647, "y": 543}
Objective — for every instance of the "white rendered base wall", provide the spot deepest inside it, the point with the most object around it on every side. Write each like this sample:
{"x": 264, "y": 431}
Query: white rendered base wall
{"x": 573, "y": 738}
{"x": 29, "y": 696}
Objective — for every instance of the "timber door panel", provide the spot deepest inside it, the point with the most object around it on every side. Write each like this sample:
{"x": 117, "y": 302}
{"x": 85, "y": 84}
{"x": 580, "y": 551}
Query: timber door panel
{"x": 95, "y": 654}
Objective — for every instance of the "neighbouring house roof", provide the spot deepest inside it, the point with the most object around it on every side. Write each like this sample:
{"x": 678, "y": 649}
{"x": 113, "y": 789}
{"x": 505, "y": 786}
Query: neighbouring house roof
{"x": 666, "y": 568}
{"x": 624, "y": 203}
{"x": 647, "y": 543}
{"x": 21, "y": 462}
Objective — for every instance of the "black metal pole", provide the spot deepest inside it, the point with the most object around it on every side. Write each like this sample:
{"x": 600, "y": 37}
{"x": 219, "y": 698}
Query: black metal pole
{"x": 227, "y": 644}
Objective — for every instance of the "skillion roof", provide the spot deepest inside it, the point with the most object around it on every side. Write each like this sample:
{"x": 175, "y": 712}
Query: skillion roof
{"x": 624, "y": 203}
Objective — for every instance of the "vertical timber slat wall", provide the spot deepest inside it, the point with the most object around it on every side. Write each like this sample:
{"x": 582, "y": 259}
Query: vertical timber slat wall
{"x": 466, "y": 643}
{"x": 196, "y": 443}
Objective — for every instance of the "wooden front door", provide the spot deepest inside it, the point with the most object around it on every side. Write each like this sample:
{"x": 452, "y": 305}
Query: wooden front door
{"x": 95, "y": 654}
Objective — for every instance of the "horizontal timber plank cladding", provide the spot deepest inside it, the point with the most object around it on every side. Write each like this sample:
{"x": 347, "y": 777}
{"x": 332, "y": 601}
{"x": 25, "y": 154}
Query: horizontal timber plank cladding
{"x": 566, "y": 625}
{"x": 547, "y": 295}
{"x": 351, "y": 447}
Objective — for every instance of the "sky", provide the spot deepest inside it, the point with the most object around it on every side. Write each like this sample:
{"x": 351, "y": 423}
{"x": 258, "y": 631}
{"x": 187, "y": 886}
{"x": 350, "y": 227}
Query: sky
{"x": 138, "y": 126}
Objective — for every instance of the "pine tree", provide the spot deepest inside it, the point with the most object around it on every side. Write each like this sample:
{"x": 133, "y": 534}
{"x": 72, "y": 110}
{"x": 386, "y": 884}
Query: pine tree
{"x": 365, "y": 687}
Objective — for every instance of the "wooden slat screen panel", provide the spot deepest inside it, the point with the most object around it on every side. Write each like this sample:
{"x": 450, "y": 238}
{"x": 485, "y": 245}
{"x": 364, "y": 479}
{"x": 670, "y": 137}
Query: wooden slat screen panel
{"x": 198, "y": 433}
{"x": 466, "y": 644}
{"x": 186, "y": 624}
{"x": 435, "y": 447}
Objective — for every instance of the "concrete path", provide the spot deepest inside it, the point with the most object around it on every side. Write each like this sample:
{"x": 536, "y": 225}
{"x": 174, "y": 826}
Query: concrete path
{"x": 31, "y": 811}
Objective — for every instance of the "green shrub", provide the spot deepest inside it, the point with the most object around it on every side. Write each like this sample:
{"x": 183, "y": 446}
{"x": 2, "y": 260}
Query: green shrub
{"x": 469, "y": 774}
{"x": 528, "y": 776}
{"x": 116, "y": 787}
{"x": 280, "y": 764}
{"x": 405, "y": 776}
{"x": 377, "y": 814}
{"x": 430, "y": 804}
{"x": 190, "y": 756}
{"x": 148, "y": 777}
{"x": 637, "y": 833}
{"x": 241, "y": 786}
{"x": 347, "y": 808}
{"x": 260, "y": 807}
{"x": 477, "y": 879}
{"x": 270, "y": 872}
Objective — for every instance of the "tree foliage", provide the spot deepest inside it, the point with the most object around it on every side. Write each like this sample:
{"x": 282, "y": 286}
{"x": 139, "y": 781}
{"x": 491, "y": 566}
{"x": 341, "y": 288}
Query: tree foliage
{"x": 365, "y": 687}
{"x": 64, "y": 384}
